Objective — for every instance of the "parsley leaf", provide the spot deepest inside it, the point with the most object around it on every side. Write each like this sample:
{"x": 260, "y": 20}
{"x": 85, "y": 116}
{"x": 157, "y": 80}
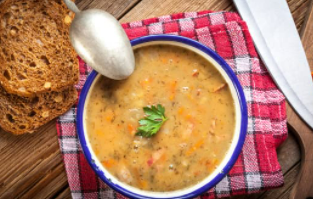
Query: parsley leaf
{"x": 152, "y": 123}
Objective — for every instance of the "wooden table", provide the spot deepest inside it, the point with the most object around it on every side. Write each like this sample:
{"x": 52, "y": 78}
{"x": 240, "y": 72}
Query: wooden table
{"x": 31, "y": 165}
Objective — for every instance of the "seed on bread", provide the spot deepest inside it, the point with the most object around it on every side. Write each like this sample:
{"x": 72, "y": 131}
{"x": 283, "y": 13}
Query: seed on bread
{"x": 58, "y": 98}
{"x": 22, "y": 89}
{"x": 47, "y": 85}
{"x": 45, "y": 114}
{"x": 13, "y": 31}
{"x": 14, "y": 7}
{"x": 67, "y": 19}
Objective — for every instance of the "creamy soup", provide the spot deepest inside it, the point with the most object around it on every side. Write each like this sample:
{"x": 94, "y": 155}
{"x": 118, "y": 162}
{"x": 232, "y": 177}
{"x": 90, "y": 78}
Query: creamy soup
{"x": 189, "y": 145}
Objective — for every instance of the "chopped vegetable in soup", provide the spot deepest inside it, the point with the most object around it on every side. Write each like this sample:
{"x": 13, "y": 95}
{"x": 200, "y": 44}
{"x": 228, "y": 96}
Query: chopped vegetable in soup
{"x": 193, "y": 140}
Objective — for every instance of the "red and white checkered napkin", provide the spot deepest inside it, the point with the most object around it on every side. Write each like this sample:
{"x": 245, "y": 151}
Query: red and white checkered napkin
{"x": 257, "y": 167}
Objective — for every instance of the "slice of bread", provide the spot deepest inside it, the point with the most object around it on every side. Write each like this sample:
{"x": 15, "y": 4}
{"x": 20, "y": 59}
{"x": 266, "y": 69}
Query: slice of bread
{"x": 21, "y": 115}
{"x": 36, "y": 55}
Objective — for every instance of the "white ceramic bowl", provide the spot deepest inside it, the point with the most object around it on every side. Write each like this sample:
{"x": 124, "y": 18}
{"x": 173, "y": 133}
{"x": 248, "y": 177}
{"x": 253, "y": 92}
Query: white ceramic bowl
{"x": 232, "y": 153}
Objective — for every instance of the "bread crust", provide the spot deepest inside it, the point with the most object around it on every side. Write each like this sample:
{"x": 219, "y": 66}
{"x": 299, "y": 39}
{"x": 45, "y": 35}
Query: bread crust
{"x": 21, "y": 115}
{"x": 36, "y": 55}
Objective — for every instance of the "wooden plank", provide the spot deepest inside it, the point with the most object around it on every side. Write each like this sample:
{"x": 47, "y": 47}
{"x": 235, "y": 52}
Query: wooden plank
{"x": 289, "y": 182}
{"x": 148, "y": 9}
{"x": 299, "y": 12}
{"x": 26, "y": 159}
{"x": 286, "y": 195}
{"x": 45, "y": 188}
{"x": 65, "y": 194}
{"x": 307, "y": 36}
{"x": 304, "y": 182}
{"x": 117, "y": 8}
{"x": 288, "y": 153}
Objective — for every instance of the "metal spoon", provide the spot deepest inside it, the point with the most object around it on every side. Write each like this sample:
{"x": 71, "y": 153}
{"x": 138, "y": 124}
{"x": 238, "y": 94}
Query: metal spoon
{"x": 101, "y": 42}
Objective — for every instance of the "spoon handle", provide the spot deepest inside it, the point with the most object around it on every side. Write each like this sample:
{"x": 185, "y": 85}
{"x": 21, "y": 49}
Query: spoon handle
{"x": 71, "y": 5}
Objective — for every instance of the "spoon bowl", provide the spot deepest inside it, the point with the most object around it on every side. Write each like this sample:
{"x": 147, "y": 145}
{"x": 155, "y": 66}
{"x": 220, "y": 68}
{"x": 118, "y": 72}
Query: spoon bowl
{"x": 99, "y": 39}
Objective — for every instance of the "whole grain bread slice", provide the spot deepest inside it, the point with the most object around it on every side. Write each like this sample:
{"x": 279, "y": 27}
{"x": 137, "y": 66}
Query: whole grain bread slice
{"x": 21, "y": 115}
{"x": 36, "y": 55}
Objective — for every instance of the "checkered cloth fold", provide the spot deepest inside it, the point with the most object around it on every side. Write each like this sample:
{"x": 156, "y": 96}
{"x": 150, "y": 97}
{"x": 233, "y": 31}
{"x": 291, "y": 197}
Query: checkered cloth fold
{"x": 257, "y": 167}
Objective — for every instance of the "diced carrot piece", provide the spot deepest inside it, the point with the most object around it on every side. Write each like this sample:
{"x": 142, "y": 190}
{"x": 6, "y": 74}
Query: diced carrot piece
{"x": 195, "y": 73}
{"x": 196, "y": 173}
{"x": 188, "y": 117}
{"x": 108, "y": 163}
{"x": 210, "y": 168}
{"x": 146, "y": 82}
{"x": 195, "y": 147}
{"x": 143, "y": 184}
{"x": 220, "y": 87}
{"x": 181, "y": 110}
{"x": 162, "y": 158}
{"x": 173, "y": 85}
{"x": 199, "y": 144}
{"x": 109, "y": 118}
{"x": 211, "y": 164}
{"x": 164, "y": 60}
{"x": 109, "y": 115}
{"x": 131, "y": 129}
{"x": 99, "y": 132}
{"x": 172, "y": 90}
{"x": 171, "y": 97}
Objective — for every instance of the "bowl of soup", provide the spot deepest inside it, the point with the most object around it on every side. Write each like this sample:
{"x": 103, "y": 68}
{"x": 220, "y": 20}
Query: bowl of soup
{"x": 194, "y": 147}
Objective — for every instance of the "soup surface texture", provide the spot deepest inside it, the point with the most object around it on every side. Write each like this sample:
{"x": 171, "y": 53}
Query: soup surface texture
{"x": 190, "y": 144}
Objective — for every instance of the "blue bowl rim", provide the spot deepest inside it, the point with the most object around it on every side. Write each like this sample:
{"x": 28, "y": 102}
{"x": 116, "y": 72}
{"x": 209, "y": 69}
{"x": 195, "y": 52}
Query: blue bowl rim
{"x": 240, "y": 95}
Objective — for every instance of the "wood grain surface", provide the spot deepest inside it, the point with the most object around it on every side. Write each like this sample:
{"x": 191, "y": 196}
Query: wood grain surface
{"x": 304, "y": 183}
{"x": 31, "y": 165}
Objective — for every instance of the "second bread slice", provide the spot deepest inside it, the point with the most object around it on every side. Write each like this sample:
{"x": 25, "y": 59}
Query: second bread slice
{"x": 21, "y": 115}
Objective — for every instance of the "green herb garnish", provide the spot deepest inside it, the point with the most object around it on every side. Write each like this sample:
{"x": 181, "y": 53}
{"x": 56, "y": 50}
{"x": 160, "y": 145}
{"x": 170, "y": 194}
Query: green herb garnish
{"x": 152, "y": 123}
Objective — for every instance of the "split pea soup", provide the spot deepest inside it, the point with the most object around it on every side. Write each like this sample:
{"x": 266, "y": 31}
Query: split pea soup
{"x": 189, "y": 145}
